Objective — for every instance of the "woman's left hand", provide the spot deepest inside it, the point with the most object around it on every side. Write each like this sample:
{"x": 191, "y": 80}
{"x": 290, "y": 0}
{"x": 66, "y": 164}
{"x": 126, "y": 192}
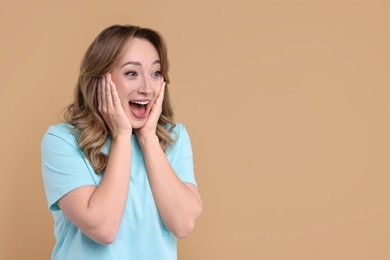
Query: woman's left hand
{"x": 149, "y": 129}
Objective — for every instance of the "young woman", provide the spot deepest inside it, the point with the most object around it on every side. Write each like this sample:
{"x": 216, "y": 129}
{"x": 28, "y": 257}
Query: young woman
{"x": 118, "y": 174}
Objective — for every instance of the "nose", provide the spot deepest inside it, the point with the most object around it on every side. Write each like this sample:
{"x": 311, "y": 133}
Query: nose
{"x": 145, "y": 88}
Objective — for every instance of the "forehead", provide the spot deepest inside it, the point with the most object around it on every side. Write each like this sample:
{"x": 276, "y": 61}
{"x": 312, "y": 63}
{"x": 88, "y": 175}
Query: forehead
{"x": 140, "y": 50}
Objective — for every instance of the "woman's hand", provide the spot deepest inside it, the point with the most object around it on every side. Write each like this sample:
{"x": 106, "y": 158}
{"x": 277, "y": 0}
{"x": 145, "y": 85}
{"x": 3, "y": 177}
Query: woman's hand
{"x": 149, "y": 129}
{"x": 110, "y": 107}
{"x": 97, "y": 210}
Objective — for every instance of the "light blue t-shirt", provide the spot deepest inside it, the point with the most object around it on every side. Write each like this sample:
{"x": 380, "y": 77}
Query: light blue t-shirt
{"x": 142, "y": 234}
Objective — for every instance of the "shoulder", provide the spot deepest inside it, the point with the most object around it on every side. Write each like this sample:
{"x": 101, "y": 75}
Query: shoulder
{"x": 180, "y": 136}
{"x": 65, "y": 132}
{"x": 178, "y": 129}
{"x": 61, "y": 129}
{"x": 178, "y": 132}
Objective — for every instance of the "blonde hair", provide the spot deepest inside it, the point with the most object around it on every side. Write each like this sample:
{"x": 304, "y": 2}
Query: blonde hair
{"x": 100, "y": 58}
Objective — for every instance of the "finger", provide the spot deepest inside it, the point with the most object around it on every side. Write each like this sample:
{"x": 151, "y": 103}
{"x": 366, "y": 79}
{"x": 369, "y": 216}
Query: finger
{"x": 160, "y": 97}
{"x": 157, "y": 106}
{"x": 114, "y": 92}
{"x": 115, "y": 96}
{"x": 99, "y": 94}
{"x": 103, "y": 103}
{"x": 108, "y": 93}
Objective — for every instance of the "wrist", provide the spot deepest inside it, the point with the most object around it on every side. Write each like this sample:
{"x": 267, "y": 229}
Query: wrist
{"x": 145, "y": 140}
{"x": 120, "y": 137}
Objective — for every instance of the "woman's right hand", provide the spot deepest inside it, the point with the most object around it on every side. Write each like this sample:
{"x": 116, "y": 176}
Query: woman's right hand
{"x": 110, "y": 107}
{"x": 97, "y": 210}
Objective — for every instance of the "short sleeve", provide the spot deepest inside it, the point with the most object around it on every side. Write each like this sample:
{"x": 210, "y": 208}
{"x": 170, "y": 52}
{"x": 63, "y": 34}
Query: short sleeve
{"x": 64, "y": 167}
{"x": 182, "y": 158}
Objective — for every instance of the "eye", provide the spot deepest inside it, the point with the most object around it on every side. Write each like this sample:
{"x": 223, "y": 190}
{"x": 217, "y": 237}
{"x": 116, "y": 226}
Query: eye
{"x": 131, "y": 74}
{"x": 156, "y": 75}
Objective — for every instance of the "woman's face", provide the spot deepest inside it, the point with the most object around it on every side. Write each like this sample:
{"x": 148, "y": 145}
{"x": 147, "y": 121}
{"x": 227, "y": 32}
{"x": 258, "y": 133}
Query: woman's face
{"x": 138, "y": 80}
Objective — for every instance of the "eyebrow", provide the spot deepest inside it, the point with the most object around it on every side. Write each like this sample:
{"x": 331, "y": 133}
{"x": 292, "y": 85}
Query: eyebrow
{"x": 137, "y": 63}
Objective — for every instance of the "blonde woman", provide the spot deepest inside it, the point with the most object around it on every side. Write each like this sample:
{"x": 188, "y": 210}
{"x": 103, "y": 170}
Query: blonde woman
{"x": 118, "y": 173}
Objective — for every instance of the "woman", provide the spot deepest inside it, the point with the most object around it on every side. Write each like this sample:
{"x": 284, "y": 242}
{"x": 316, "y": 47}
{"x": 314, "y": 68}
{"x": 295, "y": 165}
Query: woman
{"x": 118, "y": 174}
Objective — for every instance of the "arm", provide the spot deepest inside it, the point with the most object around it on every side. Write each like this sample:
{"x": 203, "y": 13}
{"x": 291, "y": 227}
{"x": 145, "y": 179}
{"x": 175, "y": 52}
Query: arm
{"x": 97, "y": 211}
{"x": 178, "y": 203}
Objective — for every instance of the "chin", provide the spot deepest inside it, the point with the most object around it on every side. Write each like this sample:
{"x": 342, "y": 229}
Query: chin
{"x": 137, "y": 124}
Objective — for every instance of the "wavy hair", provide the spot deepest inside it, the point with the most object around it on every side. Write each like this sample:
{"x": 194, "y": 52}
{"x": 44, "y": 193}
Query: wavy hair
{"x": 89, "y": 127}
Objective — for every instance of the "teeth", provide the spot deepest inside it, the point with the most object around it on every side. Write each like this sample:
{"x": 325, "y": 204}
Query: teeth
{"x": 140, "y": 103}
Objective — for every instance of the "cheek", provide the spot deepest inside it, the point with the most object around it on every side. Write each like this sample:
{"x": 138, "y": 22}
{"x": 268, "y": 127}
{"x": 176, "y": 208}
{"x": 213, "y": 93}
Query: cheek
{"x": 156, "y": 90}
{"x": 122, "y": 96}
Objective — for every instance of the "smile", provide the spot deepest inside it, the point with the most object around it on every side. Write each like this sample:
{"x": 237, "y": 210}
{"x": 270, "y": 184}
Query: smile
{"x": 139, "y": 108}
{"x": 142, "y": 103}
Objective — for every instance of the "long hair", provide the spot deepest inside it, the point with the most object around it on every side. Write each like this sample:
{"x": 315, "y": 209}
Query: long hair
{"x": 100, "y": 58}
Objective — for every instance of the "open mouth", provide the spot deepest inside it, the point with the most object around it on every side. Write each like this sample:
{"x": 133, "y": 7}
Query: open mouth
{"x": 139, "y": 108}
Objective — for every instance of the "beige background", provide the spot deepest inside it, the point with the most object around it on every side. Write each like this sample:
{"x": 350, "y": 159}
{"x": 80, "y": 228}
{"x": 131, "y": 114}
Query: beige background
{"x": 286, "y": 102}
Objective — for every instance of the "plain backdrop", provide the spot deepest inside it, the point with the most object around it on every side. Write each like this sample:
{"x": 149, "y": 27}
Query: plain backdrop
{"x": 286, "y": 103}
